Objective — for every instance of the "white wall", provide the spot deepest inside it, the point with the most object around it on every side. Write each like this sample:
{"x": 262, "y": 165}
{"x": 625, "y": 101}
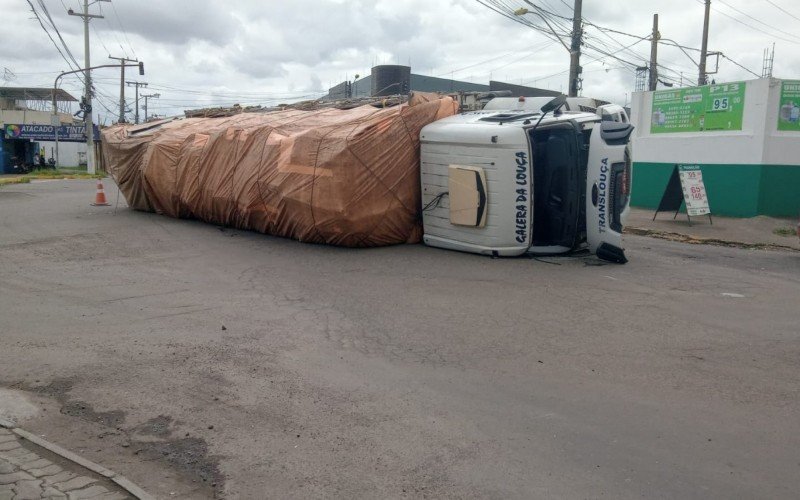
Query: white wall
{"x": 32, "y": 117}
{"x": 67, "y": 152}
{"x": 759, "y": 141}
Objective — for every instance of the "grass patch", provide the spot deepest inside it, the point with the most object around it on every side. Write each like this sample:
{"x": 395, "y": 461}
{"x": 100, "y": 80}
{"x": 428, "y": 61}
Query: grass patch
{"x": 62, "y": 173}
{"x": 49, "y": 173}
{"x": 784, "y": 231}
{"x": 4, "y": 181}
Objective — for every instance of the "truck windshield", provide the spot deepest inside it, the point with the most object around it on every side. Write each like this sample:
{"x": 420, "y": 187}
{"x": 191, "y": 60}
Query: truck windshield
{"x": 557, "y": 185}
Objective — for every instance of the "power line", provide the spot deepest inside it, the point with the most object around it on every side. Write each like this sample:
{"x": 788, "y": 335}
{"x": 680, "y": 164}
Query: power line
{"x": 782, "y": 9}
{"x": 756, "y": 28}
{"x": 757, "y": 20}
{"x": 232, "y": 93}
{"x": 557, "y": 29}
{"x": 606, "y": 30}
{"x": 741, "y": 66}
{"x": 114, "y": 8}
{"x": 507, "y": 12}
{"x": 683, "y": 48}
{"x": 47, "y": 32}
{"x": 58, "y": 33}
{"x": 601, "y": 48}
{"x": 99, "y": 39}
{"x": 111, "y": 29}
{"x": 528, "y": 50}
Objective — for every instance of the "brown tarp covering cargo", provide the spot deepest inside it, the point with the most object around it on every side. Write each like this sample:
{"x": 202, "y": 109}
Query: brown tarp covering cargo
{"x": 342, "y": 177}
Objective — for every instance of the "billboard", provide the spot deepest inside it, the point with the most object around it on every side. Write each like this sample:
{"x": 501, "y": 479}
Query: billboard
{"x": 66, "y": 133}
{"x": 698, "y": 109}
{"x": 789, "y": 106}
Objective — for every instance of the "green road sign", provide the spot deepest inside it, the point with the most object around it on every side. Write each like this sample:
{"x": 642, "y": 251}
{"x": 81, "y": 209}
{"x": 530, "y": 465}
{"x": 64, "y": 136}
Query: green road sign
{"x": 789, "y": 107}
{"x": 698, "y": 109}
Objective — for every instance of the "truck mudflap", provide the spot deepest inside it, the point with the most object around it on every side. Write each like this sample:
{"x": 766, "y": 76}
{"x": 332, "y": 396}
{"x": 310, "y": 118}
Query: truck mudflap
{"x": 607, "y": 189}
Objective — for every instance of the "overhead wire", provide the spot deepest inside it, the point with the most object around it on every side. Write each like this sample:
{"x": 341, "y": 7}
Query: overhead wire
{"x": 124, "y": 32}
{"x": 47, "y": 32}
{"x": 557, "y": 30}
{"x": 741, "y": 66}
{"x": 745, "y": 14}
{"x": 782, "y": 9}
{"x": 506, "y": 11}
{"x": 602, "y": 50}
{"x": 756, "y": 28}
{"x": 101, "y": 97}
{"x": 527, "y": 50}
{"x": 58, "y": 33}
{"x": 100, "y": 39}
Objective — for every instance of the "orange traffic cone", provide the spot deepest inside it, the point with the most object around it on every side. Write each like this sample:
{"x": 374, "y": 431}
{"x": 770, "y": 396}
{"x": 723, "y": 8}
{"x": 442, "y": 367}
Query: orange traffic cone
{"x": 100, "y": 197}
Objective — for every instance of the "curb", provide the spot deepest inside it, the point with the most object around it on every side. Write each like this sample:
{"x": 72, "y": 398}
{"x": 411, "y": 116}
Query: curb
{"x": 121, "y": 481}
{"x": 694, "y": 240}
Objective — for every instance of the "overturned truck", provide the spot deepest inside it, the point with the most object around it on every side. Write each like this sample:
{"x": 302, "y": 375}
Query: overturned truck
{"x": 341, "y": 177}
{"x": 537, "y": 180}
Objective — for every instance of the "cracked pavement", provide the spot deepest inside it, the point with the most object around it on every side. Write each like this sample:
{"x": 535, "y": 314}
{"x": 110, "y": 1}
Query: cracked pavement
{"x": 201, "y": 362}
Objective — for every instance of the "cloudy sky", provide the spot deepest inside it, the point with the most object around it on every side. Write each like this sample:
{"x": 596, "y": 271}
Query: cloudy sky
{"x": 202, "y": 52}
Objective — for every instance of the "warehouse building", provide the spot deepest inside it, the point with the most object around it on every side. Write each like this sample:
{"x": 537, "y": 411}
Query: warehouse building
{"x": 396, "y": 79}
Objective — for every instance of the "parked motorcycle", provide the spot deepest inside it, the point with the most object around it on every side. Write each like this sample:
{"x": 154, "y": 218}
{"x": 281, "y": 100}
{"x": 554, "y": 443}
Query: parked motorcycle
{"x": 19, "y": 165}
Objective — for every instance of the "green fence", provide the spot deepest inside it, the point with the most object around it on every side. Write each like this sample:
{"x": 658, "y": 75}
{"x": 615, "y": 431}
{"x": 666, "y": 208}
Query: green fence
{"x": 733, "y": 190}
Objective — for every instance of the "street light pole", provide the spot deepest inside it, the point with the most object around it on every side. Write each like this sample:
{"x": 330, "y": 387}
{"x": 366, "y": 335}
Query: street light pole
{"x": 140, "y": 65}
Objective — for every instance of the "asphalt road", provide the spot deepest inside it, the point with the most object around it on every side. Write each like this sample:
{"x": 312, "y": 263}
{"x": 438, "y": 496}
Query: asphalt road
{"x": 200, "y": 361}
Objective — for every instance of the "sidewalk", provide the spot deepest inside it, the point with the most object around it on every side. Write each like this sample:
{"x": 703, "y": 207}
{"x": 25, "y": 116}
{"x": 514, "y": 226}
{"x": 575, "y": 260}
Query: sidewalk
{"x": 32, "y": 468}
{"x": 753, "y": 232}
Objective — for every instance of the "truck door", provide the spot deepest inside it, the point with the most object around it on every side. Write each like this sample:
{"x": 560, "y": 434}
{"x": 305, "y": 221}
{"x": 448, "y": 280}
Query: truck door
{"x": 608, "y": 179}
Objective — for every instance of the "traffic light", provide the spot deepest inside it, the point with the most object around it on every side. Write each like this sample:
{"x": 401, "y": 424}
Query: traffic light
{"x": 141, "y": 68}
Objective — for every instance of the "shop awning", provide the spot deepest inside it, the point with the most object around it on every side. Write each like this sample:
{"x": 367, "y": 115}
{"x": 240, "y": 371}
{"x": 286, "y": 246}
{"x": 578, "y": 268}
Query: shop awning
{"x": 35, "y": 94}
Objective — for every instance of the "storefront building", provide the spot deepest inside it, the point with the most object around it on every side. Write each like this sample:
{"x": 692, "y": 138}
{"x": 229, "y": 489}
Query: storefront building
{"x": 29, "y": 129}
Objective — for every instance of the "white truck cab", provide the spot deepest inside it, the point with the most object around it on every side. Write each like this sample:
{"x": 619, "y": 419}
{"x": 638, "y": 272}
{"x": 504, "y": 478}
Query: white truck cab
{"x": 542, "y": 181}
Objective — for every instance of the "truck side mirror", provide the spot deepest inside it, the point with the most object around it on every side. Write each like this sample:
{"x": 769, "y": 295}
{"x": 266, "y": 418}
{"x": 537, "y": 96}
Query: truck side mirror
{"x": 615, "y": 132}
{"x": 554, "y": 104}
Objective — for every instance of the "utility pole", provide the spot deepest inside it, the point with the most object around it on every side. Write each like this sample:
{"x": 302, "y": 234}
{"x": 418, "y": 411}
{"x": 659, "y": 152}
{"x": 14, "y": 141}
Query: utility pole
{"x": 122, "y": 61}
{"x": 702, "y": 79}
{"x": 87, "y": 105}
{"x": 137, "y": 85}
{"x": 575, "y": 69}
{"x": 145, "y": 96}
{"x": 654, "y": 54}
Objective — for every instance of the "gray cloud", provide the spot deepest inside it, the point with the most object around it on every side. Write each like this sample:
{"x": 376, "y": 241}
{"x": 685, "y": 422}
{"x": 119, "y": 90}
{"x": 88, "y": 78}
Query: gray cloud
{"x": 316, "y": 84}
{"x": 262, "y": 51}
{"x": 174, "y": 22}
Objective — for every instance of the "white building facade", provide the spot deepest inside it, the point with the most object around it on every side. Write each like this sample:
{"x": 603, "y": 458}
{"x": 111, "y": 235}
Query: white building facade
{"x": 745, "y": 136}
